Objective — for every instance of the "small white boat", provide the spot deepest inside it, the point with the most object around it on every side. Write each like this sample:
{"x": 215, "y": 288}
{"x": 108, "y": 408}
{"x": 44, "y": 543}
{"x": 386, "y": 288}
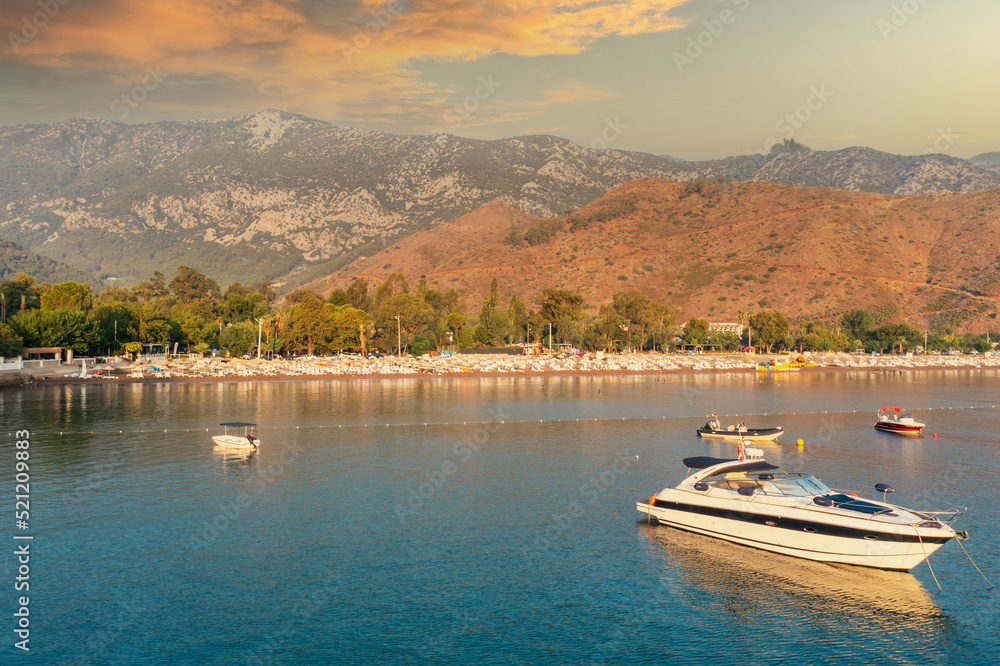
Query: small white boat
{"x": 242, "y": 436}
{"x": 747, "y": 501}
{"x": 891, "y": 419}
{"x": 713, "y": 430}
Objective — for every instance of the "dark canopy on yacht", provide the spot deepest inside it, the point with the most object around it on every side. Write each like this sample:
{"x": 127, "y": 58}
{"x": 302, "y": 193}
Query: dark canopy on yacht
{"x": 701, "y": 462}
{"x": 238, "y": 424}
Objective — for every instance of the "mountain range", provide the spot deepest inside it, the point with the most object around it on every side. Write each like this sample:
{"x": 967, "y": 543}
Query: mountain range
{"x": 719, "y": 250}
{"x": 279, "y": 196}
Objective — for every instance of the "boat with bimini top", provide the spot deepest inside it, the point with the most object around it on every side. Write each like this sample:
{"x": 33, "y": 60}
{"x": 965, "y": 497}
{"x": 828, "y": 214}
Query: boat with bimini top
{"x": 241, "y": 437}
{"x": 747, "y": 500}
{"x": 891, "y": 419}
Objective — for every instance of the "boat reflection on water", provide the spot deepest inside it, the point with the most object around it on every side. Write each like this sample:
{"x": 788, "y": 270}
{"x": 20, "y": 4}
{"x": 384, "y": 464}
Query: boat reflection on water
{"x": 756, "y": 583}
{"x": 233, "y": 458}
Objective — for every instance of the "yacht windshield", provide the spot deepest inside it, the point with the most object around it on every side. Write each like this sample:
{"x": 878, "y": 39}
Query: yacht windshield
{"x": 802, "y": 486}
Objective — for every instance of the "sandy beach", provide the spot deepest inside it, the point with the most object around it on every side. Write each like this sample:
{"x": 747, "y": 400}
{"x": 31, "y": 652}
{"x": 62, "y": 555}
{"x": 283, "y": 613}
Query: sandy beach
{"x": 480, "y": 365}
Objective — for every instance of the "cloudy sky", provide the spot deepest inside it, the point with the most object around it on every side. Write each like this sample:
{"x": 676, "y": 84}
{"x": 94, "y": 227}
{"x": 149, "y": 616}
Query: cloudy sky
{"x": 696, "y": 79}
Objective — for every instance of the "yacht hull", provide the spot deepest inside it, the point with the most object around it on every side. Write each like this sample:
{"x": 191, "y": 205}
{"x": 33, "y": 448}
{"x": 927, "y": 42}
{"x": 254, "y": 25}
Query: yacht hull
{"x": 234, "y": 442}
{"x": 811, "y": 535}
{"x": 899, "y": 428}
{"x": 749, "y": 435}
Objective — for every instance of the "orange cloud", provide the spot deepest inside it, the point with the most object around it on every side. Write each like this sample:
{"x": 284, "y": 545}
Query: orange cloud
{"x": 340, "y": 59}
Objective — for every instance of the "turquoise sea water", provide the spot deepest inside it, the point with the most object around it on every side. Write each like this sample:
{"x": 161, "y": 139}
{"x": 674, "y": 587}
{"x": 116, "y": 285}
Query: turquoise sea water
{"x": 492, "y": 521}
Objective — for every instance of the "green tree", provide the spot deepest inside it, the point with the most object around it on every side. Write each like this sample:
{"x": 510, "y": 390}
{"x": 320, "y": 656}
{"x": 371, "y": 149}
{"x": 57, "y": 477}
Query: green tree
{"x": 11, "y": 343}
{"x": 858, "y": 323}
{"x": 770, "y": 328}
{"x": 242, "y": 304}
{"x": 414, "y": 316}
{"x": 889, "y": 335}
{"x": 816, "y": 336}
{"x": 311, "y": 323}
{"x": 192, "y": 329}
{"x": 357, "y": 295}
{"x": 113, "y": 295}
{"x": 198, "y": 291}
{"x": 517, "y": 318}
{"x": 492, "y": 324}
{"x": 663, "y": 326}
{"x": 696, "y": 331}
{"x": 152, "y": 289}
{"x": 151, "y": 325}
{"x": 456, "y": 323}
{"x": 21, "y": 293}
{"x": 606, "y": 328}
{"x": 348, "y": 326}
{"x": 267, "y": 293}
{"x": 637, "y": 310}
{"x": 393, "y": 286}
{"x": 557, "y": 303}
{"x": 68, "y": 296}
{"x": 115, "y": 324}
{"x": 420, "y": 345}
{"x": 239, "y": 338}
{"x": 338, "y": 297}
{"x": 71, "y": 329}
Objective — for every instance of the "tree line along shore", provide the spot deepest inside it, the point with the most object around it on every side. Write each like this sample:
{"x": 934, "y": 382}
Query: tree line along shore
{"x": 191, "y": 312}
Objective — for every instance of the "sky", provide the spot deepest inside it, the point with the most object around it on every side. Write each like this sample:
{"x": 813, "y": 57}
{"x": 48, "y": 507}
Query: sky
{"x": 694, "y": 79}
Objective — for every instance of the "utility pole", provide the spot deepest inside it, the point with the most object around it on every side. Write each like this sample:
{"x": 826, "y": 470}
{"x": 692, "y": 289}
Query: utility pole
{"x": 399, "y": 339}
{"x": 550, "y": 337}
{"x": 260, "y": 328}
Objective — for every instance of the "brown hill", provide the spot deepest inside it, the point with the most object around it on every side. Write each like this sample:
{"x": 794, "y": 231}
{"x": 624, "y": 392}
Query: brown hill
{"x": 812, "y": 253}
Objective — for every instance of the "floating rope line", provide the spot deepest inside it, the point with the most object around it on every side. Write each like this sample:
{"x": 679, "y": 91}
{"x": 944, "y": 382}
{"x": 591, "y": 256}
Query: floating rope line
{"x": 489, "y": 422}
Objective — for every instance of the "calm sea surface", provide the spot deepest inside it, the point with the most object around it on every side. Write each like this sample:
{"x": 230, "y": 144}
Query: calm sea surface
{"x": 491, "y": 521}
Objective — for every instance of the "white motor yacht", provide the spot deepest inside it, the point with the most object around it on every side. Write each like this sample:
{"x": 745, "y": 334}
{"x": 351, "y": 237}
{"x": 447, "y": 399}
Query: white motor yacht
{"x": 747, "y": 500}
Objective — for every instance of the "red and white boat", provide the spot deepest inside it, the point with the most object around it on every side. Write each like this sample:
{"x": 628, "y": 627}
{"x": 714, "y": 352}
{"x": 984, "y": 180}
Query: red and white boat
{"x": 891, "y": 419}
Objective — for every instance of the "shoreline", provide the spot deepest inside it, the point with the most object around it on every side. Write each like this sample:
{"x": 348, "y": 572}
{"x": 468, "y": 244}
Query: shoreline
{"x": 408, "y": 371}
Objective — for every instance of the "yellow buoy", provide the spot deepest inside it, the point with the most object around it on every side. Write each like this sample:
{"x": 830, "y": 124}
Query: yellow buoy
{"x": 800, "y": 443}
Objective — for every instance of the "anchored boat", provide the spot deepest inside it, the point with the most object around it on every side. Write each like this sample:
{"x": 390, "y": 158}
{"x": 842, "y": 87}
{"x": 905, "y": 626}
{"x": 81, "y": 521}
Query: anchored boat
{"x": 241, "y": 437}
{"x": 713, "y": 430}
{"x": 891, "y": 419}
{"x": 749, "y": 501}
